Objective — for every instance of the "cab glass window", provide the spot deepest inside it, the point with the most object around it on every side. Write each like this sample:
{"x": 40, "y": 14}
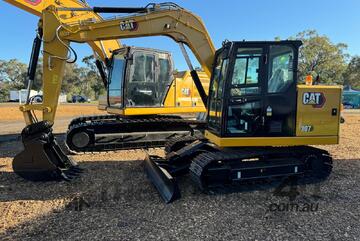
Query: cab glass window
{"x": 165, "y": 77}
{"x": 116, "y": 81}
{"x": 143, "y": 68}
{"x": 216, "y": 91}
{"x": 246, "y": 72}
{"x": 281, "y": 73}
{"x": 164, "y": 70}
{"x": 243, "y": 118}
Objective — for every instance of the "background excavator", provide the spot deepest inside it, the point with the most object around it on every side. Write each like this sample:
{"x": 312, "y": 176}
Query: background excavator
{"x": 154, "y": 97}
{"x": 143, "y": 97}
{"x": 260, "y": 121}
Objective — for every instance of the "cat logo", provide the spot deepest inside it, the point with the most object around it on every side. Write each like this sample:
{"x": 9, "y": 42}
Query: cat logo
{"x": 185, "y": 91}
{"x": 129, "y": 25}
{"x": 33, "y": 2}
{"x": 316, "y": 99}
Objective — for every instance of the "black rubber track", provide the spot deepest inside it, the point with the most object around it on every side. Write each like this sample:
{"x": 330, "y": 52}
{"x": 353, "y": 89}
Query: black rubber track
{"x": 200, "y": 163}
{"x": 109, "y": 124}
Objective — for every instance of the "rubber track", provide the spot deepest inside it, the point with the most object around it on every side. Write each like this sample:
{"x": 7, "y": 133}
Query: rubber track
{"x": 119, "y": 123}
{"x": 92, "y": 118}
{"x": 200, "y": 162}
{"x": 178, "y": 142}
{"x": 84, "y": 119}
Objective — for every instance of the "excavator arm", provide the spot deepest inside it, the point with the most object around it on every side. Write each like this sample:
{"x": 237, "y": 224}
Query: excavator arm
{"x": 157, "y": 20}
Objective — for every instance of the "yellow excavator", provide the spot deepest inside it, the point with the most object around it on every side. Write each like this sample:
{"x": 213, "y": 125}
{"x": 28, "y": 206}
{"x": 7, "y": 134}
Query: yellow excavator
{"x": 259, "y": 120}
{"x": 155, "y": 96}
{"x": 143, "y": 115}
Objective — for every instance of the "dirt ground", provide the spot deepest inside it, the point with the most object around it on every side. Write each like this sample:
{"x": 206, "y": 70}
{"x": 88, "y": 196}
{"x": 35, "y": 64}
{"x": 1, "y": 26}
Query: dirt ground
{"x": 12, "y": 121}
{"x": 10, "y": 111}
{"x": 113, "y": 200}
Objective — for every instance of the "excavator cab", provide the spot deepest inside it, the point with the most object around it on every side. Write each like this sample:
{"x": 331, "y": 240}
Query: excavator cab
{"x": 142, "y": 81}
{"x": 139, "y": 77}
{"x": 253, "y": 89}
{"x": 255, "y": 99}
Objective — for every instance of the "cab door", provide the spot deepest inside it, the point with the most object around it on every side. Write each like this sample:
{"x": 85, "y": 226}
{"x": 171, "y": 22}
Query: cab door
{"x": 216, "y": 92}
{"x": 244, "y": 113}
{"x": 279, "y": 105}
{"x": 261, "y": 90}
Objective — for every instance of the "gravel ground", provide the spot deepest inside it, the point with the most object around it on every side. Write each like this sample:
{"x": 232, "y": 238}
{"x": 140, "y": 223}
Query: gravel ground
{"x": 113, "y": 200}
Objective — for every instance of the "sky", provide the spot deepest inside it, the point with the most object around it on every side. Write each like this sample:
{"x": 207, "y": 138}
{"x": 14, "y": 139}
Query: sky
{"x": 225, "y": 19}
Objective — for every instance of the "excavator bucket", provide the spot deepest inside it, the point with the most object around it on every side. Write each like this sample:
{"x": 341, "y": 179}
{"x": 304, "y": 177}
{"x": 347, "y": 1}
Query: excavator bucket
{"x": 162, "y": 179}
{"x": 42, "y": 159}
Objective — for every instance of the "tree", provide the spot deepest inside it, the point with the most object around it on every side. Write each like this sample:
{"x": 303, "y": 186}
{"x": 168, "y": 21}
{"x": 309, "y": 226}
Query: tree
{"x": 76, "y": 80}
{"x": 14, "y": 72}
{"x": 93, "y": 77}
{"x": 71, "y": 81}
{"x": 37, "y": 84}
{"x": 352, "y": 74}
{"x": 321, "y": 58}
{"x": 4, "y": 91}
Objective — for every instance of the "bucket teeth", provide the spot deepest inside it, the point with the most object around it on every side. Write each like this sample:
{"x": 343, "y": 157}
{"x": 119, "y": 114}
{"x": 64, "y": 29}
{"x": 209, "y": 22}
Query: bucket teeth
{"x": 42, "y": 159}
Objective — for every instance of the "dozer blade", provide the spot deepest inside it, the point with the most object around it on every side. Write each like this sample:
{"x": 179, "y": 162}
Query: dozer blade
{"x": 42, "y": 159}
{"x": 162, "y": 180}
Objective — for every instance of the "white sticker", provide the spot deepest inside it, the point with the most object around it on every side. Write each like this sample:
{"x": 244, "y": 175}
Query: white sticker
{"x": 316, "y": 99}
{"x": 306, "y": 128}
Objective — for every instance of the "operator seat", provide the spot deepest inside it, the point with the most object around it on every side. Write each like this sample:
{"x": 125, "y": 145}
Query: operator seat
{"x": 277, "y": 81}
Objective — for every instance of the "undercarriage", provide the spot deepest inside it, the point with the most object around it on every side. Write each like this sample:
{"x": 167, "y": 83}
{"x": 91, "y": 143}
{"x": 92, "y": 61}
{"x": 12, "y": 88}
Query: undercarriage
{"x": 213, "y": 167}
{"x": 113, "y": 132}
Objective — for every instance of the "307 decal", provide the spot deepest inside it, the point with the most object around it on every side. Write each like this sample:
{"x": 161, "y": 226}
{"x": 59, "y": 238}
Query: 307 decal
{"x": 306, "y": 128}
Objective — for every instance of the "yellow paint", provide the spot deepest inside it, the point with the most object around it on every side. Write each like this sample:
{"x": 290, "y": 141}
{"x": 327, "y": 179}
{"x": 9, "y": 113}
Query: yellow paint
{"x": 55, "y": 79}
{"x": 183, "y": 92}
{"x": 270, "y": 141}
{"x": 152, "y": 110}
{"x": 321, "y": 120}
